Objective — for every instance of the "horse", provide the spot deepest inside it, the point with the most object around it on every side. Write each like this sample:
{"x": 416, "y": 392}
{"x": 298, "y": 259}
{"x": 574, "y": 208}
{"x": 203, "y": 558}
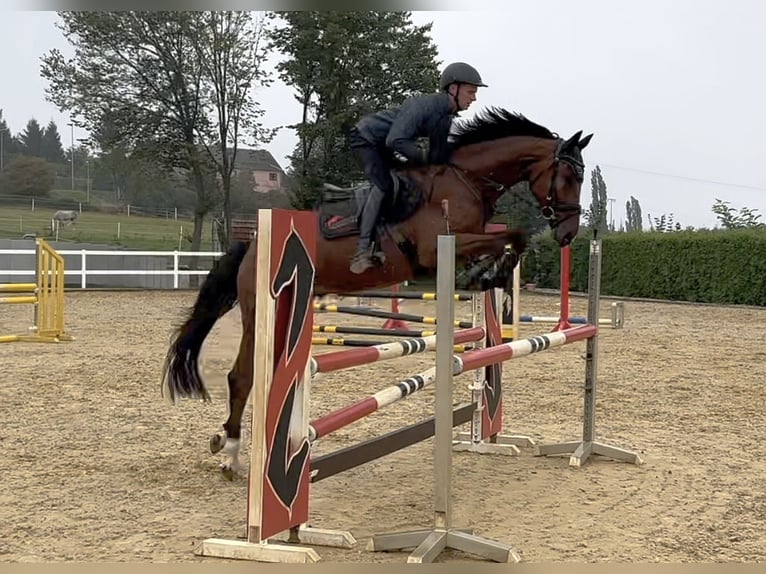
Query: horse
{"x": 491, "y": 152}
{"x": 67, "y": 217}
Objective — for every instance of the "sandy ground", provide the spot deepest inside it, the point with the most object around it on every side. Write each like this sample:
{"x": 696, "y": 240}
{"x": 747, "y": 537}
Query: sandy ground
{"x": 96, "y": 466}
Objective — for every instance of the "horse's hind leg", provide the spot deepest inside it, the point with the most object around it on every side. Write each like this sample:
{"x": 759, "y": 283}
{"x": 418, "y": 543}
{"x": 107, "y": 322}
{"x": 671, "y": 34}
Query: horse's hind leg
{"x": 240, "y": 380}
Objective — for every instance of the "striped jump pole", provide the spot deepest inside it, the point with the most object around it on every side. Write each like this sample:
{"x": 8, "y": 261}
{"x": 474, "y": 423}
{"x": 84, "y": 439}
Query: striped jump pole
{"x": 343, "y": 417}
{"x": 521, "y": 347}
{"x": 616, "y": 320}
{"x": 372, "y": 331}
{"x": 332, "y": 308}
{"x": 343, "y": 342}
{"x": 471, "y": 360}
{"x": 328, "y": 362}
{"x": 396, "y": 294}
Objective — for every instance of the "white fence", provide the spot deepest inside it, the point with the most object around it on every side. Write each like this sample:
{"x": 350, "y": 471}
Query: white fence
{"x": 86, "y": 256}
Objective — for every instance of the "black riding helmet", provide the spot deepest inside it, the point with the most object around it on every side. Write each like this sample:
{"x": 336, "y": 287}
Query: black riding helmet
{"x": 462, "y": 73}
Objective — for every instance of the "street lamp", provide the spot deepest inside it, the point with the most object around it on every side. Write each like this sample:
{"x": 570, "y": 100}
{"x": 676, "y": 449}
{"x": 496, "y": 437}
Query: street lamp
{"x": 2, "y": 148}
{"x": 71, "y": 125}
{"x": 85, "y": 144}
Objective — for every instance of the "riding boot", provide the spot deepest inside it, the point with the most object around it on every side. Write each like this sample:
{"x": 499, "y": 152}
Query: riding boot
{"x": 362, "y": 259}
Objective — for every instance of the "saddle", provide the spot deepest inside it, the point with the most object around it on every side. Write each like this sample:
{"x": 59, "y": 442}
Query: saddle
{"x": 340, "y": 208}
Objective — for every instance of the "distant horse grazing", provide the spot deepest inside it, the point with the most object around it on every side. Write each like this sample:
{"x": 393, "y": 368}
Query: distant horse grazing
{"x": 494, "y": 151}
{"x": 66, "y": 217}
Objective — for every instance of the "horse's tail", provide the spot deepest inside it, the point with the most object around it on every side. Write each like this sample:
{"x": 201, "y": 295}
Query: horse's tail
{"x": 217, "y": 296}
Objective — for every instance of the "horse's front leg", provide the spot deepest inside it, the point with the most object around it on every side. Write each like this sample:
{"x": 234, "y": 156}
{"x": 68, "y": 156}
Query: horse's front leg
{"x": 490, "y": 243}
{"x": 489, "y": 258}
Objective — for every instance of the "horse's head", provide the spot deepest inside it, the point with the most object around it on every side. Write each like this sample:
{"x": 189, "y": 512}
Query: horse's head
{"x": 556, "y": 182}
{"x": 498, "y": 149}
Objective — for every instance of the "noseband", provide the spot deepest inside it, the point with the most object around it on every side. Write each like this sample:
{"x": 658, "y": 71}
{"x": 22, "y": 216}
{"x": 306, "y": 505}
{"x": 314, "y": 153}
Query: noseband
{"x": 552, "y": 207}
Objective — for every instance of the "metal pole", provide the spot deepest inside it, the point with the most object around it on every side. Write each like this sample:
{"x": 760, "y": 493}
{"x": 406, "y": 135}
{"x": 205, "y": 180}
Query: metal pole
{"x": 71, "y": 126}
{"x": 2, "y": 148}
{"x": 445, "y": 333}
{"x": 580, "y": 451}
{"x": 429, "y": 543}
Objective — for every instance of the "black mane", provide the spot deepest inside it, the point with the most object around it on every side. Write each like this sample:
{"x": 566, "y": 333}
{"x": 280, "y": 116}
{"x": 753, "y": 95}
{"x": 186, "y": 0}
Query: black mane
{"x": 496, "y": 123}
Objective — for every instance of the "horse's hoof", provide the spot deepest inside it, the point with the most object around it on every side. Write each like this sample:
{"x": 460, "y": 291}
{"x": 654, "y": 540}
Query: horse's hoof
{"x": 227, "y": 472}
{"x": 217, "y": 442}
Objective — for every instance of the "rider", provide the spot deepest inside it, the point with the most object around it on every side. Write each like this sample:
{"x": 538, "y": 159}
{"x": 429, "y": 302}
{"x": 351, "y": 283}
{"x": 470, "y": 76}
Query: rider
{"x": 379, "y": 137}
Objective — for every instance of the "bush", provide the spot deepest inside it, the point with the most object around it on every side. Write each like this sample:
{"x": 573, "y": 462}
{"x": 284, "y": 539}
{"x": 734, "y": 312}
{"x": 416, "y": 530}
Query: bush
{"x": 710, "y": 266}
{"x": 29, "y": 176}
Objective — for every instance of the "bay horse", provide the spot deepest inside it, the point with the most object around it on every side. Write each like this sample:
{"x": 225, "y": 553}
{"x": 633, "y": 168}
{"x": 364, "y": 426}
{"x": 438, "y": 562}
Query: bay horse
{"x": 492, "y": 152}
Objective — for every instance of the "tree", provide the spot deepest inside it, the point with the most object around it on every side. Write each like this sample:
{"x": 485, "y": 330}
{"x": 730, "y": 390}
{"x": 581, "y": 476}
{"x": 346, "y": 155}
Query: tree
{"x": 113, "y": 154}
{"x": 6, "y": 138}
{"x": 28, "y": 175}
{"x": 596, "y": 214}
{"x": 519, "y": 209}
{"x": 731, "y": 219}
{"x": 343, "y": 65}
{"x": 141, "y": 70}
{"x": 634, "y": 217}
{"x": 664, "y": 223}
{"x": 31, "y": 139}
{"x": 51, "y": 148}
{"x": 231, "y": 53}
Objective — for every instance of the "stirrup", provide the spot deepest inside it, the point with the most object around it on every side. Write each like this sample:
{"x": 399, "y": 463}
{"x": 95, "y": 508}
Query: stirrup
{"x": 361, "y": 262}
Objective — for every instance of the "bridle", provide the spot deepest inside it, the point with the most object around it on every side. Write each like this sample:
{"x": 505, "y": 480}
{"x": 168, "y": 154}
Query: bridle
{"x": 551, "y": 209}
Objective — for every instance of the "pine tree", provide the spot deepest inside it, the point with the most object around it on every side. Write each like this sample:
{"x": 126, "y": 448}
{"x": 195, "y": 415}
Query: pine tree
{"x": 31, "y": 139}
{"x": 51, "y": 148}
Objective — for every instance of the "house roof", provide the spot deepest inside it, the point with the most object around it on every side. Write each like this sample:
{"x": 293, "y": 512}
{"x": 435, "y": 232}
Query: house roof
{"x": 257, "y": 160}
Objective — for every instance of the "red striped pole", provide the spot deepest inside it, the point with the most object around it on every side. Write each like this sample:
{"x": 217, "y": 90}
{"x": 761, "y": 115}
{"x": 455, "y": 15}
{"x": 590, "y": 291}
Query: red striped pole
{"x": 469, "y": 361}
{"x": 343, "y": 417}
{"x": 499, "y": 353}
{"x": 364, "y": 355}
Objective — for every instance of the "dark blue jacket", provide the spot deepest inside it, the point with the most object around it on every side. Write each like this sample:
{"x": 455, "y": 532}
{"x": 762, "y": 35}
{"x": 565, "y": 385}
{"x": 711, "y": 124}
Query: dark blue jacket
{"x": 428, "y": 116}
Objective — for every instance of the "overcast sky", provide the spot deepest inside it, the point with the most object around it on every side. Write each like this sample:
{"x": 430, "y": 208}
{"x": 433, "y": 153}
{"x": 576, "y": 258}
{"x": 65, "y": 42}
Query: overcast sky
{"x": 674, "y": 91}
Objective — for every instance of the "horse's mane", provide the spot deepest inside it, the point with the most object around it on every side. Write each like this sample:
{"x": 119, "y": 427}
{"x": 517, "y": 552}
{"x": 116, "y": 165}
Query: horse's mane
{"x": 495, "y": 123}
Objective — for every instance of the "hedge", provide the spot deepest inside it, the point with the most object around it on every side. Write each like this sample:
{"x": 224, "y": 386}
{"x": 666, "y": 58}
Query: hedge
{"x": 710, "y": 266}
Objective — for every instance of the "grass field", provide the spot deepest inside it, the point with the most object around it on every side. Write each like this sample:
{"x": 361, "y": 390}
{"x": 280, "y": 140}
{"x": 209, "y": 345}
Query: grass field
{"x": 134, "y": 232}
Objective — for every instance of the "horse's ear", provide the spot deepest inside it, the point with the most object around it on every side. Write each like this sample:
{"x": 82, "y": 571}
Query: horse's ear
{"x": 572, "y": 141}
{"x": 584, "y": 141}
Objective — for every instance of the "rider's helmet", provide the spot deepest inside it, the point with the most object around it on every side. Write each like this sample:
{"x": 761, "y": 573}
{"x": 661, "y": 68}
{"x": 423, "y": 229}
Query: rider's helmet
{"x": 461, "y": 73}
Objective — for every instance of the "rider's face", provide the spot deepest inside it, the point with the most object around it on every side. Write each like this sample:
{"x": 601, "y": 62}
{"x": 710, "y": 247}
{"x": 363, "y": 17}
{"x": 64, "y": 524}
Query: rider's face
{"x": 466, "y": 95}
